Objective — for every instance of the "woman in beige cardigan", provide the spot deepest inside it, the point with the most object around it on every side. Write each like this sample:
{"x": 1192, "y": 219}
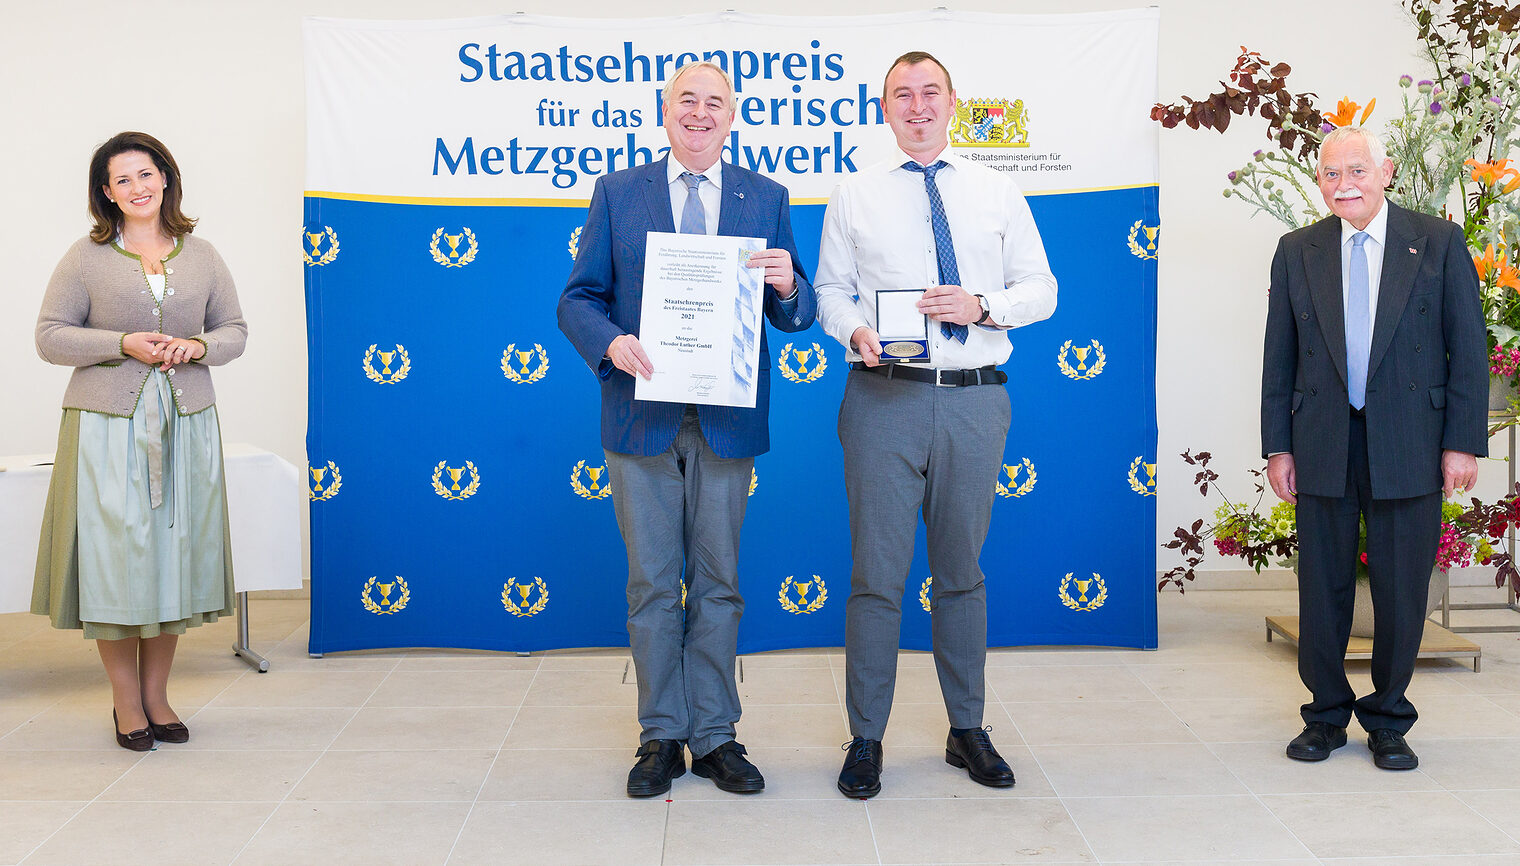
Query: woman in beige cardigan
{"x": 134, "y": 545}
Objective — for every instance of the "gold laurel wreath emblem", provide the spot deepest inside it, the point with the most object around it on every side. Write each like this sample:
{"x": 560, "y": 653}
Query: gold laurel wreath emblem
{"x": 526, "y": 610}
{"x": 808, "y": 606}
{"x": 683, "y": 592}
{"x": 1134, "y": 478}
{"x": 1097, "y": 600}
{"x": 1030, "y": 476}
{"x": 525, "y": 376}
{"x": 316, "y": 493}
{"x": 1073, "y": 373}
{"x": 446, "y": 493}
{"x": 791, "y": 375}
{"x": 1134, "y": 241}
{"x": 440, "y": 258}
{"x": 581, "y": 490}
{"x": 575, "y": 242}
{"x": 332, "y": 248}
{"x": 377, "y": 376}
{"x": 925, "y": 597}
{"x": 395, "y": 607}
{"x": 754, "y": 481}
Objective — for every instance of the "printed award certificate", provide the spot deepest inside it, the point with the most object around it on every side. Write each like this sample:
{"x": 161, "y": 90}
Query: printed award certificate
{"x": 700, "y": 319}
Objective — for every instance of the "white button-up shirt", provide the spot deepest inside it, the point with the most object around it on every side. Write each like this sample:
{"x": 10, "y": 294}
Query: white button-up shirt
{"x": 709, "y": 191}
{"x": 1377, "y": 236}
{"x": 877, "y": 235}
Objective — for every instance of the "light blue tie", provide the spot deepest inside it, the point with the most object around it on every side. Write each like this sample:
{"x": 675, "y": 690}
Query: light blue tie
{"x": 693, "y": 217}
{"x": 1358, "y": 323}
{"x": 944, "y": 247}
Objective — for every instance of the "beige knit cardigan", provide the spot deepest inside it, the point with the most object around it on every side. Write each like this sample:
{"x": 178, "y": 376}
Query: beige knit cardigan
{"x": 98, "y": 294}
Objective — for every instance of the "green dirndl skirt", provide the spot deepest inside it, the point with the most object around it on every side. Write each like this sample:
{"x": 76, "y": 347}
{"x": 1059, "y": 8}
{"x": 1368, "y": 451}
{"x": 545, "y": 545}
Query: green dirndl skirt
{"x": 135, "y": 539}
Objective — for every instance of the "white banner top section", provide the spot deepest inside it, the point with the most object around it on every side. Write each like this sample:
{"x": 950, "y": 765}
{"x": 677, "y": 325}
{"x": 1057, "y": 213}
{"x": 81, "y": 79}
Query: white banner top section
{"x": 530, "y": 107}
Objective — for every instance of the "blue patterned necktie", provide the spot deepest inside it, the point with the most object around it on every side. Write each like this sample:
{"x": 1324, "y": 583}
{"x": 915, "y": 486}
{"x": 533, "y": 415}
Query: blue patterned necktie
{"x": 1358, "y": 323}
{"x": 944, "y": 248}
{"x": 693, "y": 217}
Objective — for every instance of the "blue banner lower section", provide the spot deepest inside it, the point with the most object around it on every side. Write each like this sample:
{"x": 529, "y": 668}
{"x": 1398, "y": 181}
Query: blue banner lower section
{"x": 460, "y": 499}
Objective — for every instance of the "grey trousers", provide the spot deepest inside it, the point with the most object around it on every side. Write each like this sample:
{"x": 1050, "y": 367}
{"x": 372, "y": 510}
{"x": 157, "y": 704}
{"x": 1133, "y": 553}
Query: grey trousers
{"x": 911, "y": 446}
{"x": 680, "y": 513}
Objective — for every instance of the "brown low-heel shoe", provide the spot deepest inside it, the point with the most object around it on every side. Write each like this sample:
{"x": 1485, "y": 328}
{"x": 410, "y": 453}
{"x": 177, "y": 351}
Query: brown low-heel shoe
{"x": 174, "y": 732}
{"x": 140, "y": 740}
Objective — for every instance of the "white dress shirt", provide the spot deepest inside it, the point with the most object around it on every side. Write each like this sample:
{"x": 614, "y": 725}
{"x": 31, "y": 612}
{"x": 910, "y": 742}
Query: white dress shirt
{"x": 710, "y": 191}
{"x": 1377, "y": 234}
{"x": 877, "y": 235}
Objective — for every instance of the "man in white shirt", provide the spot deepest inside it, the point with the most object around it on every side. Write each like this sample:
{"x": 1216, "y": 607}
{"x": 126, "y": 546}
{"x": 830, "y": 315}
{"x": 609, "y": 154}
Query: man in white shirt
{"x": 927, "y": 437}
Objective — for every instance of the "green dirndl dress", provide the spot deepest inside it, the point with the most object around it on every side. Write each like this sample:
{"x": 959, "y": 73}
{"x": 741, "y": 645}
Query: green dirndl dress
{"x": 135, "y": 540}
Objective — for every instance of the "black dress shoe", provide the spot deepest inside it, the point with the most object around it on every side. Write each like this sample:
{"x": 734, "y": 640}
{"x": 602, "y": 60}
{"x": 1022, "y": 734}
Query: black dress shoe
{"x": 1316, "y": 742}
{"x": 139, "y": 740}
{"x": 174, "y": 732}
{"x": 1389, "y": 751}
{"x": 861, "y": 776}
{"x": 975, "y": 753}
{"x": 729, "y": 770}
{"x": 659, "y": 762}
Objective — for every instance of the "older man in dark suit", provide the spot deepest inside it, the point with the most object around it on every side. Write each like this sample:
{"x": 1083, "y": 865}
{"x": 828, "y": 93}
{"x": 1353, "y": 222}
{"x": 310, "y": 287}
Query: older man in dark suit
{"x": 1374, "y": 400}
{"x": 680, "y": 473}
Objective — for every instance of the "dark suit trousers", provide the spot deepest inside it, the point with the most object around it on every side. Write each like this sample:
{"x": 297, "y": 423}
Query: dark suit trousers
{"x": 1402, "y": 535}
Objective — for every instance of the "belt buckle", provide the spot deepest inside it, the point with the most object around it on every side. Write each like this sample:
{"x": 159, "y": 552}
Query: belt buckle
{"x": 939, "y": 379}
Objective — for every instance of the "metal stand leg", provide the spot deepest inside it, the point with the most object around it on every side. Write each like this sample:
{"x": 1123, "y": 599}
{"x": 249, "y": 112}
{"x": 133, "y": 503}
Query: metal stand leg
{"x": 240, "y": 649}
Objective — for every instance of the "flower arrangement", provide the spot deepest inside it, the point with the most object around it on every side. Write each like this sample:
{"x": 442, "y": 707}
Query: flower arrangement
{"x": 1471, "y": 534}
{"x": 1451, "y": 142}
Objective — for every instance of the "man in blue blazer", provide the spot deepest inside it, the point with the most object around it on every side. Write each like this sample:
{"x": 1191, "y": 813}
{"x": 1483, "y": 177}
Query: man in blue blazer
{"x": 1374, "y": 399}
{"x": 680, "y": 473}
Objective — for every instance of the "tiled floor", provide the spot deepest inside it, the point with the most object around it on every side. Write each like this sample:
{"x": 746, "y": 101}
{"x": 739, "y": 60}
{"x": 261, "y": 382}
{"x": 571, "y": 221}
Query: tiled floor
{"x": 441, "y": 757}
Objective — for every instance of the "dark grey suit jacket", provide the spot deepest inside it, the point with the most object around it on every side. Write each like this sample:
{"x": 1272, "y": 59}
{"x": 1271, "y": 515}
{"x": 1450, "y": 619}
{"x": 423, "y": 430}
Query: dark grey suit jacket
{"x": 1427, "y": 376}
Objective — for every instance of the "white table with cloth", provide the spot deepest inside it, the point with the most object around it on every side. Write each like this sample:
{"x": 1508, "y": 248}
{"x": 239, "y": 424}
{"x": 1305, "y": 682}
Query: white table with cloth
{"x": 264, "y": 497}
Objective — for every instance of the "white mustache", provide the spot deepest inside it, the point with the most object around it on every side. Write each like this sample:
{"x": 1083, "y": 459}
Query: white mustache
{"x": 1350, "y": 193}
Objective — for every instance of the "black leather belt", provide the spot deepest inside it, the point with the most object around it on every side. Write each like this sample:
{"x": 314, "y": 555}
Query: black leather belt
{"x": 988, "y": 375}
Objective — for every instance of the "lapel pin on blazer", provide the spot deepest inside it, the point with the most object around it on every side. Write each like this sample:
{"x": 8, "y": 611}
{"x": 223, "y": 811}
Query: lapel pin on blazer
{"x": 741, "y": 195}
{"x": 1414, "y": 251}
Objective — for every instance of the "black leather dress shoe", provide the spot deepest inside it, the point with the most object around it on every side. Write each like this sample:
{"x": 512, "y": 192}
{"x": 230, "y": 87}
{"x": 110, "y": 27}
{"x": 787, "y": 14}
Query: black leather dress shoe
{"x": 729, "y": 770}
{"x": 659, "y": 762}
{"x": 975, "y": 753}
{"x": 861, "y": 776}
{"x": 1316, "y": 742}
{"x": 1389, "y": 751}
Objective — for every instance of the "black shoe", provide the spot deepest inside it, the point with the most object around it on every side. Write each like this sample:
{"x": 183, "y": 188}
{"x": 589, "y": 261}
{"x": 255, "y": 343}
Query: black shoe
{"x": 659, "y": 762}
{"x": 975, "y": 753}
{"x": 861, "y": 776}
{"x": 729, "y": 770}
{"x": 140, "y": 740}
{"x": 174, "y": 732}
{"x": 1316, "y": 742}
{"x": 1389, "y": 751}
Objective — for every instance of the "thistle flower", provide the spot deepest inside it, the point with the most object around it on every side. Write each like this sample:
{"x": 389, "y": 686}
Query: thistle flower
{"x": 1425, "y": 85}
{"x": 1405, "y": 80}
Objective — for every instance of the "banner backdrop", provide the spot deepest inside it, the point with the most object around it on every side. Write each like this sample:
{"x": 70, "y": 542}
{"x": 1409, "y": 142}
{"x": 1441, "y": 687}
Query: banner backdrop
{"x": 459, "y": 494}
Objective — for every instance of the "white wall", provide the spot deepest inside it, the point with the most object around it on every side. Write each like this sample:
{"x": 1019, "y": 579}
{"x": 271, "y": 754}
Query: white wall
{"x": 221, "y": 84}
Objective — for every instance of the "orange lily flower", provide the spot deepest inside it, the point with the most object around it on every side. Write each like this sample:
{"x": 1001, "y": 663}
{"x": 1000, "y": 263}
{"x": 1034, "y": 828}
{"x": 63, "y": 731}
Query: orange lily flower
{"x": 1486, "y": 263}
{"x": 1494, "y": 173}
{"x": 1509, "y": 278}
{"x": 1345, "y": 113}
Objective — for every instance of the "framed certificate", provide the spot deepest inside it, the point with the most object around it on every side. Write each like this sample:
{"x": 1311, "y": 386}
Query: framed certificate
{"x": 700, "y": 319}
{"x": 903, "y": 330}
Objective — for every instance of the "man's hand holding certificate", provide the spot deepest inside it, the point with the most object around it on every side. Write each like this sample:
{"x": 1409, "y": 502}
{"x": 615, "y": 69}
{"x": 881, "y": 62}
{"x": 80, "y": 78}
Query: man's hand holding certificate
{"x": 700, "y": 319}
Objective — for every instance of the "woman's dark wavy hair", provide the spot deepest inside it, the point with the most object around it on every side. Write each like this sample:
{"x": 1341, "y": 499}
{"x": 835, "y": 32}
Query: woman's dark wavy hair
{"x": 107, "y": 216}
